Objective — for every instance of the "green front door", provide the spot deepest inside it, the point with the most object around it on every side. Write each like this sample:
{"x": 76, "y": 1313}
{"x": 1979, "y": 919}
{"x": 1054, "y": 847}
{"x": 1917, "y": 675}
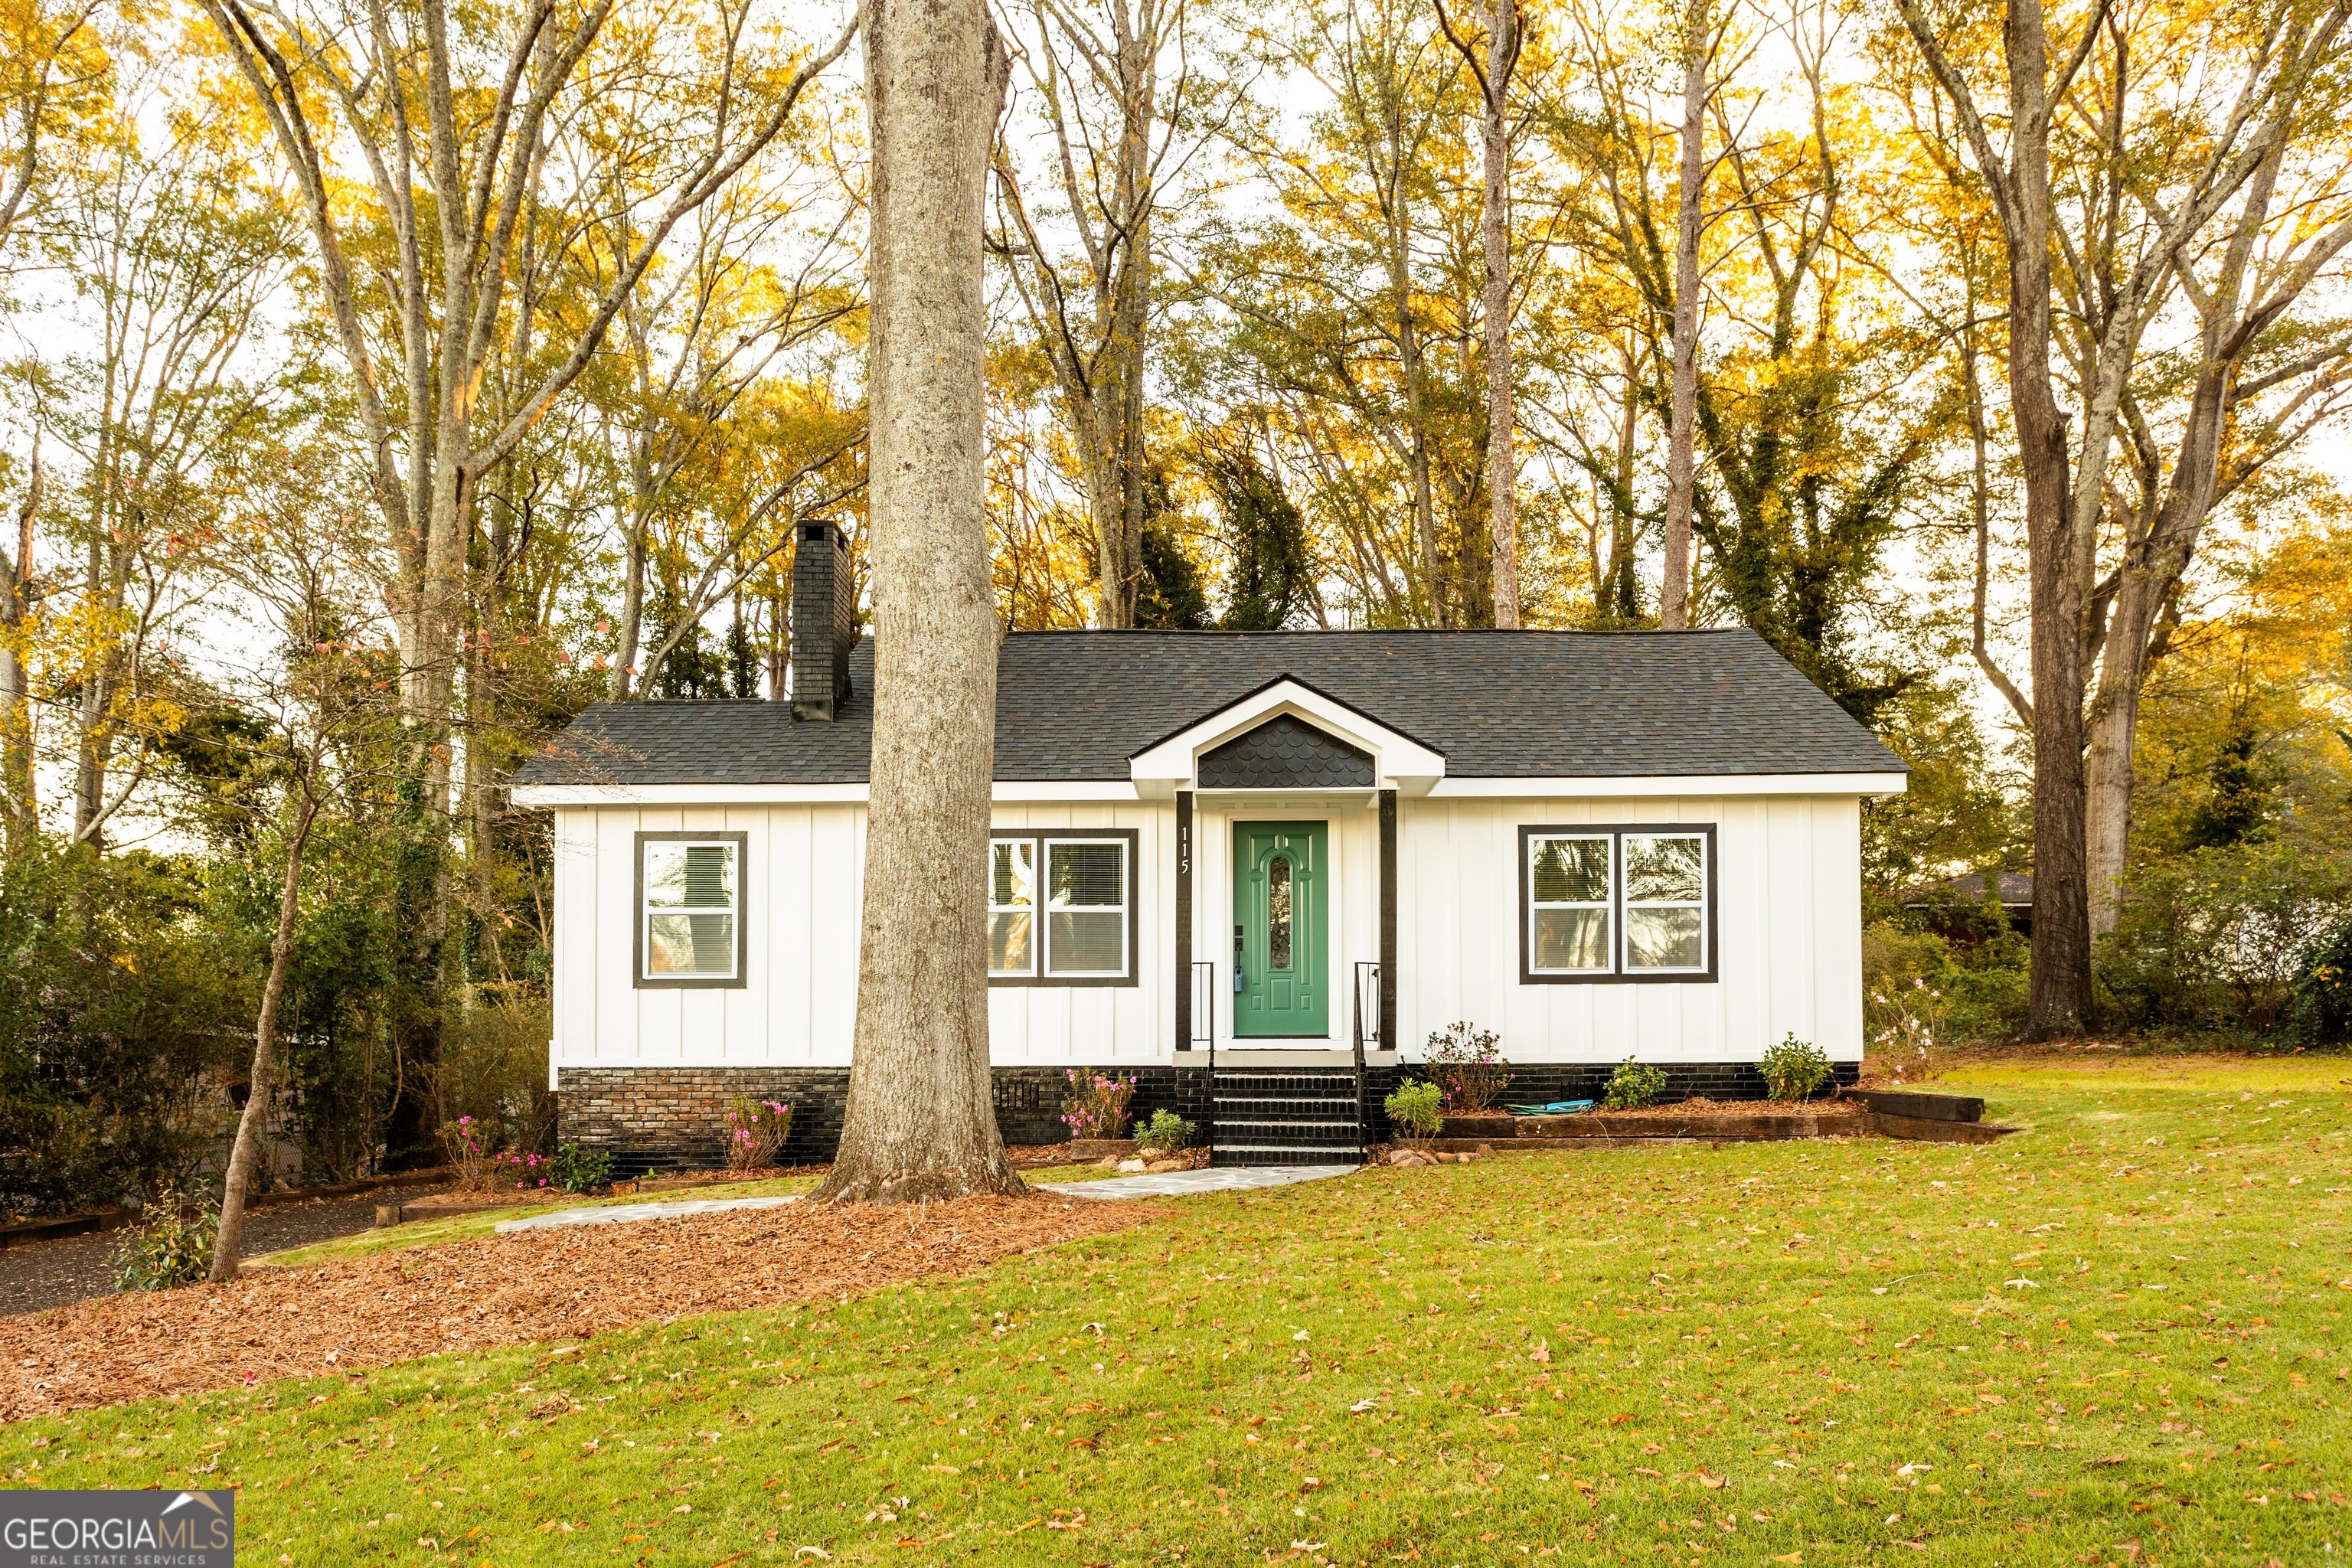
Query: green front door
{"x": 1281, "y": 900}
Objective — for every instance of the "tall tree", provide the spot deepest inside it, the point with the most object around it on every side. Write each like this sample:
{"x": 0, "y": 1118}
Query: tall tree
{"x": 2133, "y": 225}
{"x": 453, "y": 116}
{"x": 20, "y": 817}
{"x": 171, "y": 248}
{"x": 1682, "y": 424}
{"x": 1115, "y": 148}
{"x": 1351, "y": 308}
{"x": 921, "y": 1120}
{"x": 1502, "y": 23}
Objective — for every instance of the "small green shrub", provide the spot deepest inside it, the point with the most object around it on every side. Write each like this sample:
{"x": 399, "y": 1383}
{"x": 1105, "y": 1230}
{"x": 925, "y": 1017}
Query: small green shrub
{"x": 1635, "y": 1085}
{"x": 578, "y": 1169}
{"x": 1165, "y": 1133}
{"x": 1416, "y": 1110}
{"x": 1794, "y": 1068}
{"x": 1465, "y": 1061}
{"x": 168, "y": 1249}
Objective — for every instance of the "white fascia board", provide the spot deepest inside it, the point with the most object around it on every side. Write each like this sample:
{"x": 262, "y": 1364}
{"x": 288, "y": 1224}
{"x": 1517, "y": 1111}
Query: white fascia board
{"x": 1673, "y": 784}
{"x": 1398, "y": 762}
{"x": 536, "y": 797}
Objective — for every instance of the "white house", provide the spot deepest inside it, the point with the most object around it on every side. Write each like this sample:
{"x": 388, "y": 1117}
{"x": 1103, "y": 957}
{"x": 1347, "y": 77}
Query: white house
{"x": 1285, "y": 854}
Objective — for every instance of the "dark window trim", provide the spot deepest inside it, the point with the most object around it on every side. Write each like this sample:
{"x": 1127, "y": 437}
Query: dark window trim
{"x": 739, "y": 980}
{"x": 1618, "y": 974}
{"x": 1133, "y": 838}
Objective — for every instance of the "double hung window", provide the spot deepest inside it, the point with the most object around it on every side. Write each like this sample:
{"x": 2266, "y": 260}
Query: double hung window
{"x": 1617, "y": 903}
{"x": 1061, "y": 907}
{"x": 689, "y": 908}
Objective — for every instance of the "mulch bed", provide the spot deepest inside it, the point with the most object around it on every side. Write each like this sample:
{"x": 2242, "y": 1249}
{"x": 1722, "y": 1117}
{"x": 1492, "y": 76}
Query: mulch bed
{"x": 544, "y": 1285}
{"x": 1683, "y": 1110}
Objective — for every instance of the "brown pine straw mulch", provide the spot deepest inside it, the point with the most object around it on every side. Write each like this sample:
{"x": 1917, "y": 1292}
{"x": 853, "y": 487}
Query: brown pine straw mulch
{"x": 554, "y": 1284}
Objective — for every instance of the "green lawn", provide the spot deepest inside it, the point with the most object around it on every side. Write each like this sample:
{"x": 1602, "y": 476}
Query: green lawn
{"x": 2124, "y": 1326}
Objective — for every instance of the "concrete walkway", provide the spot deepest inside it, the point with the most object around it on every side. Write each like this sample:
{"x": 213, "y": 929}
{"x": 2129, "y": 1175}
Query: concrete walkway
{"x": 624, "y": 1213}
{"x": 1184, "y": 1183}
{"x": 1168, "y": 1185}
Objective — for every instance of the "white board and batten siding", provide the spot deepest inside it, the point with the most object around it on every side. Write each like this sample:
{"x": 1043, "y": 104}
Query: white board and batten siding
{"x": 1787, "y": 928}
{"x": 803, "y": 869}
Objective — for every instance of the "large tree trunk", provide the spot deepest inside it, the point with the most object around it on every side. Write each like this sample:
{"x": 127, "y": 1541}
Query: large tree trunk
{"x": 2060, "y": 994}
{"x": 19, "y": 808}
{"x": 1681, "y": 416}
{"x": 228, "y": 1246}
{"x": 1495, "y": 226}
{"x": 921, "y": 1121}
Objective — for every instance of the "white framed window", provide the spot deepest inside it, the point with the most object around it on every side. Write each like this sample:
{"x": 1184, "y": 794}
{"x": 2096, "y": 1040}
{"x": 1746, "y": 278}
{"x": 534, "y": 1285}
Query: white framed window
{"x": 1061, "y": 907}
{"x": 1665, "y": 880}
{"x": 1570, "y": 918}
{"x": 1011, "y": 907}
{"x": 1617, "y": 903}
{"x": 689, "y": 929}
{"x": 1085, "y": 907}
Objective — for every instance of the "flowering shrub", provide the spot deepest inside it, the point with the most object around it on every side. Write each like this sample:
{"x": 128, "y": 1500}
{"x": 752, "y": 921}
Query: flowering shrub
{"x": 1466, "y": 1066}
{"x": 1097, "y": 1107}
{"x": 756, "y": 1128}
{"x": 519, "y": 1172}
{"x": 468, "y": 1144}
{"x": 1907, "y": 1028}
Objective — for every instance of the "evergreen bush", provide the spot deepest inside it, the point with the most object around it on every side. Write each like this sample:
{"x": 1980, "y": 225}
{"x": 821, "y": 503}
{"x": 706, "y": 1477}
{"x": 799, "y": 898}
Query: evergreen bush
{"x": 167, "y": 1250}
{"x": 1416, "y": 1110}
{"x": 1794, "y": 1068}
{"x": 1635, "y": 1085}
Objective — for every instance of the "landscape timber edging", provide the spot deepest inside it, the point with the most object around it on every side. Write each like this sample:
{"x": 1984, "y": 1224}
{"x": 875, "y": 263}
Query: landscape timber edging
{"x": 27, "y": 1231}
{"x": 1918, "y": 1104}
{"x": 1762, "y": 1129}
{"x": 1934, "y": 1130}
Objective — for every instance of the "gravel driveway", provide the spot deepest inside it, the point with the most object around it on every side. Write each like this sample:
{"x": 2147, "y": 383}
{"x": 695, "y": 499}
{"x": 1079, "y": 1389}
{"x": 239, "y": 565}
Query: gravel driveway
{"x": 52, "y": 1273}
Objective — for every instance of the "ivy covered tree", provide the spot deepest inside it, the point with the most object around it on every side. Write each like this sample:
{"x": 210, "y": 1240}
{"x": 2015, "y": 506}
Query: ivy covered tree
{"x": 1273, "y": 577}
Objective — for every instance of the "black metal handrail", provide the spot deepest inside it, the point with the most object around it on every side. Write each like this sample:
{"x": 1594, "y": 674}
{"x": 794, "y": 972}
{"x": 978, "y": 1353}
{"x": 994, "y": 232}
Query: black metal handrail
{"x": 1204, "y": 1029}
{"x": 1368, "y": 983}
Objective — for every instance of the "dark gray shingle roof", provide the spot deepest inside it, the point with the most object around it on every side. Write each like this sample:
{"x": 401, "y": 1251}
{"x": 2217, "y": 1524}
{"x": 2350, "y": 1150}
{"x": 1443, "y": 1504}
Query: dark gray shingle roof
{"x": 1077, "y": 705}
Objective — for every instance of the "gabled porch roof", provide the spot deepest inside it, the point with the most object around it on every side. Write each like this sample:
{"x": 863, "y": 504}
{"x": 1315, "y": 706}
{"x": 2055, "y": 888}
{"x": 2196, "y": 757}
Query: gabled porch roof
{"x": 1398, "y": 762}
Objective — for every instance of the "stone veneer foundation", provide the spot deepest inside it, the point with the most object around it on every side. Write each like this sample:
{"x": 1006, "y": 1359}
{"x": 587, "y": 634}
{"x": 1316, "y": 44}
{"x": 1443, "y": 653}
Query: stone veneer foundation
{"x": 653, "y": 1119}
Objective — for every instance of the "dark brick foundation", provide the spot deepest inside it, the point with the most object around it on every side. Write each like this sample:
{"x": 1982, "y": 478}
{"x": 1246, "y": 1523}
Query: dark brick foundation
{"x": 653, "y": 1119}
{"x": 672, "y": 1119}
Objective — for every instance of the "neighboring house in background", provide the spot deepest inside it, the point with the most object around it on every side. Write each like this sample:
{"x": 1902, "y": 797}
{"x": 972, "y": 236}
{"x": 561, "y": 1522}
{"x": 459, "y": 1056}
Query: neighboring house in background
{"x": 2012, "y": 890}
{"x": 1290, "y": 851}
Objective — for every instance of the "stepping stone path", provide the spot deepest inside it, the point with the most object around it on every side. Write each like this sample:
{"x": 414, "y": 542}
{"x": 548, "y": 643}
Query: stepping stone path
{"x": 624, "y": 1213}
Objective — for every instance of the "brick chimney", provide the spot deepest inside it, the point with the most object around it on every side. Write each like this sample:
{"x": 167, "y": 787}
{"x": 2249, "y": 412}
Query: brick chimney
{"x": 824, "y": 621}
